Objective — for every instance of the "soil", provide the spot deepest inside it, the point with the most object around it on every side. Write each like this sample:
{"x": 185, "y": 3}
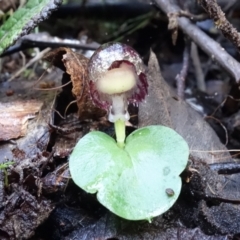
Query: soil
{"x": 38, "y": 199}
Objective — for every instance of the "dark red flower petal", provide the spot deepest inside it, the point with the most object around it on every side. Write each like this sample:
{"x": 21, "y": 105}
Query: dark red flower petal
{"x": 110, "y": 56}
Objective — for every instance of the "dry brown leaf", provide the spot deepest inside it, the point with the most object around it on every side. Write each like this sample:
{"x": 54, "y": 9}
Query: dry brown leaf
{"x": 163, "y": 107}
{"x": 14, "y": 117}
{"x": 76, "y": 66}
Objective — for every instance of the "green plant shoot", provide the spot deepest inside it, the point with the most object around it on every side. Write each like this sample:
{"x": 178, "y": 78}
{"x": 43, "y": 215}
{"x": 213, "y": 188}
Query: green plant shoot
{"x": 138, "y": 177}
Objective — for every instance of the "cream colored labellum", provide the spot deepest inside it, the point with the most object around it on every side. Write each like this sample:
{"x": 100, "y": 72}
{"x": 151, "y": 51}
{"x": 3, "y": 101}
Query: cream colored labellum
{"x": 116, "y": 83}
{"x": 117, "y": 80}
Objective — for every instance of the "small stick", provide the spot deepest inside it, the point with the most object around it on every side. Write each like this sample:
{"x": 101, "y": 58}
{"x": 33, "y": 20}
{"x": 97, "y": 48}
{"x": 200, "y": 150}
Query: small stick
{"x": 64, "y": 131}
{"x": 53, "y": 88}
{"x": 23, "y": 58}
{"x": 193, "y": 17}
{"x": 198, "y": 68}
{"x": 215, "y": 151}
{"x": 32, "y": 61}
{"x": 206, "y": 43}
{"x": 224, "y": 128}
{"x": 181, "y": 77}
{"x": 215, "y": 12}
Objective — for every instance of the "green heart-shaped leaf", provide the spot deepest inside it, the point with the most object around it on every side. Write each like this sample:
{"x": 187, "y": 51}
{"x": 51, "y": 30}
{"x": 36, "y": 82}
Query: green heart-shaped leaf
{"x": 138, "y": 182}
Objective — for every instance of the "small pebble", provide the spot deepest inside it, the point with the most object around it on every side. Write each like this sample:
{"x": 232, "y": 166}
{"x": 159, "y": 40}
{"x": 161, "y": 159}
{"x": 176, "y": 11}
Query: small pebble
{"x": 169, "y": 192}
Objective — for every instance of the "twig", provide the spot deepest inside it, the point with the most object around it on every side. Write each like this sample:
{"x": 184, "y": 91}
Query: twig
{"x": 198, "y": 68}
{"x": 181, "y": 77}
{"x": 53, "y": 88}
{"x": 193, "y": 17}
{"x": 226, "y": 167}
{"x": 44, "y": 40}
{"x": 32, "y": 61}
{"x": 23, "y": 58}
{"x": 216, "y": 13}
{"x": 224, "y": 128}
{"x": 216, "y": 151}
{"x": 207, "y": 44}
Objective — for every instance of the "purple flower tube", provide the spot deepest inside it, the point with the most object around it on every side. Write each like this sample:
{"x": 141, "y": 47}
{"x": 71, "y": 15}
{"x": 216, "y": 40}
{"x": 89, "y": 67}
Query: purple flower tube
{"x": 116, "y": 78}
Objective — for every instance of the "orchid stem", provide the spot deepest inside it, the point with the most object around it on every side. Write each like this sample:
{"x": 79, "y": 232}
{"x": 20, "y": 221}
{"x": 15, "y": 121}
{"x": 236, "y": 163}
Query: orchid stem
{"x": 119, "y": 126}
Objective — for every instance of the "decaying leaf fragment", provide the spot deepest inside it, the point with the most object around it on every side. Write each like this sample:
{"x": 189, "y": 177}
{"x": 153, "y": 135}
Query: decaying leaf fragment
{"x": 14, "y": 117}
{"x": 76, "y": 66}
